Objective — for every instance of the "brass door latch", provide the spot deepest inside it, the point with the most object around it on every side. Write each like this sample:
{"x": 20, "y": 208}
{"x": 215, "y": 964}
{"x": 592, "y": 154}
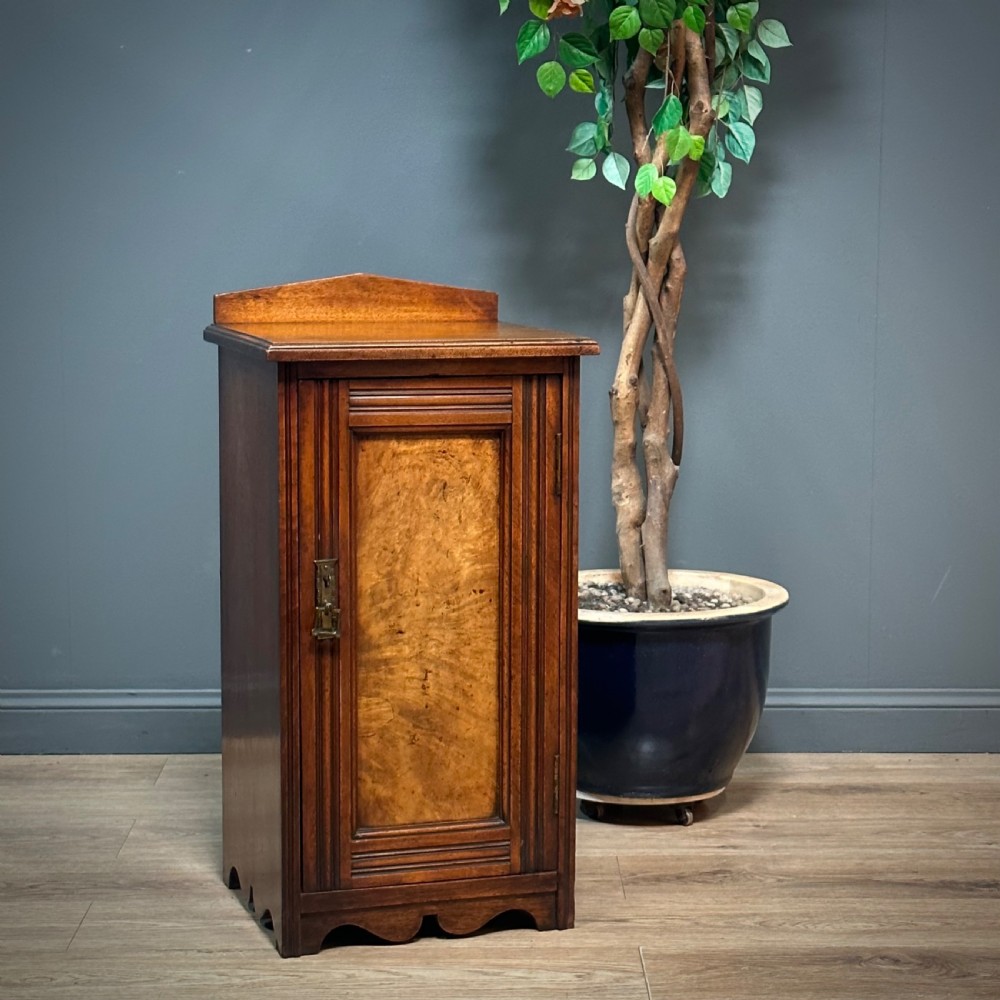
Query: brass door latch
{"x": 327, "y": 614}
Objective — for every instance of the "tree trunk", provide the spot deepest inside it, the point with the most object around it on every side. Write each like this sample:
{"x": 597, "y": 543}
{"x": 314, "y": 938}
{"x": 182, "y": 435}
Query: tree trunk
{"x": 649, "y": 408}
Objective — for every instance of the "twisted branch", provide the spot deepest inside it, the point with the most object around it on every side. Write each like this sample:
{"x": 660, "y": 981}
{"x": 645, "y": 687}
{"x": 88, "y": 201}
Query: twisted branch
{"x": 654, "y": 298}
{"x": 664, "y": 338}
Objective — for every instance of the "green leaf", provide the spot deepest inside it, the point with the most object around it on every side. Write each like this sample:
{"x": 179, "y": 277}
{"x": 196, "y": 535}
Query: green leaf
{"x": 737, "y": 106}
{"x": 757, "y": 65}
{"x": 706, "y": 168}
{"x": 694, "y": 18}
{"x": 606, "y": 53}
{"x": 616, "y": 169}
{"x": 678, "y": 143}
{"x": 754, "y": 71}
{"x": 532, "y": 40}
{"x": 754, "y": 102}
{"x": 741, "y": 15}
{"x": 741, "y": 141}
{"x": 583, "y": 169}
{"x": 657, "y": 13}
{"x": 624, "y": 23}
{"x": 772, "y": 34}
{"x": 582, "y": 81}
{"x": 722, "y": 178}
{"x": 720, "y": 104}
{"x": 664, "y": 189}
{"x": 577, "y": 51}
{"x": 583, "y": 141}
{"x": 756, "y": 52}
{"x": 540, "y": 8}
{"x": 603, "y": 103}
{"x": 697, "y": 149}
{"x": 603, "y": 135}
{"x": 730, "y": 39}
{"x": 669, "y": 115}
{"x": 645, "y": 178}
{"x": 551, "y": 78}
{"x": 504, "y": 4}
{"x": 651, "y": 39}
{"x": 731, "y": 76}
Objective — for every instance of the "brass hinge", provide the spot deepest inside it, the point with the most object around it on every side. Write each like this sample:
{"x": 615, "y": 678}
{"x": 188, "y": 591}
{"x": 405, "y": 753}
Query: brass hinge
{"x": 327, "y": 614}
{"x": 559, "y": 466}
{"x": 555, "y": 785}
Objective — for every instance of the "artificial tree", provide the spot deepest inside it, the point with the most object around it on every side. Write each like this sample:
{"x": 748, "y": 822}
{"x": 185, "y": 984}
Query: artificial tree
{"x": 702, "y": 60}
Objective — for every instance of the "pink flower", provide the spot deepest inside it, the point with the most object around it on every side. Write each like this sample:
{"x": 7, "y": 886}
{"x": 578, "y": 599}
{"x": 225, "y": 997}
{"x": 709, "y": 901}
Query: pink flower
{"x": 565, "y": 8}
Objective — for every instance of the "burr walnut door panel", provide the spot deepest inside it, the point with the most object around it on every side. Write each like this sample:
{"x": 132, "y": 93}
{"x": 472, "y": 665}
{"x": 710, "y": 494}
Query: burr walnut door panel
{"x": 423, "y": 724}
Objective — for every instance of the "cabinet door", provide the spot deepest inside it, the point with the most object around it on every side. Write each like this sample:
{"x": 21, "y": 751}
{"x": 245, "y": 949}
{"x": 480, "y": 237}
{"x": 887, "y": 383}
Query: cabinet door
{"x": 423, "y": 746}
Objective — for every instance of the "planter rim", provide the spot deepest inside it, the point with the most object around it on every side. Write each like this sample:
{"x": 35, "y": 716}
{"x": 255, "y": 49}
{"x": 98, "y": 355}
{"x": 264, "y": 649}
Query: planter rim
{"x": 768, "y": 597}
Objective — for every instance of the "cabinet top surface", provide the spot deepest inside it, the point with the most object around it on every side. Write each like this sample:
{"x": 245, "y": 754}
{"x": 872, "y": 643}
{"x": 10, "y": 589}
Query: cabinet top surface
{"x": 335, "y": 341}
{"x": 366, "y": 317}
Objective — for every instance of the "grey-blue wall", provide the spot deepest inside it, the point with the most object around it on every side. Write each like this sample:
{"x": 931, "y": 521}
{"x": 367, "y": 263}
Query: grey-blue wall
{"x": 839, "y": 347}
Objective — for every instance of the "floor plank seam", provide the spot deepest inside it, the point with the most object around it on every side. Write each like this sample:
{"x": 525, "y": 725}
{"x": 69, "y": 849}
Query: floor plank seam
{"x": 125, "y": 841}
{"x": 159, "y": 774}
{"x": 621, "y": 878}
{"x": 79, "y": 925}
{"x": 645, "y": 977}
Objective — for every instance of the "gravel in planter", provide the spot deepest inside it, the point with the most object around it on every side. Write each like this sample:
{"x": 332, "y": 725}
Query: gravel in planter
{"x": 612, "y": 597}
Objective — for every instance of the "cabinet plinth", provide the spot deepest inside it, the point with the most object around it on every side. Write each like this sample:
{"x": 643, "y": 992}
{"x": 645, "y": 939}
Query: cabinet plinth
{"x": 398, "y": 484}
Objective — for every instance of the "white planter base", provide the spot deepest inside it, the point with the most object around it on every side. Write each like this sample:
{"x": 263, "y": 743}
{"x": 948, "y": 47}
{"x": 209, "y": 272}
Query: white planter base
{"x": 627, "y": 800}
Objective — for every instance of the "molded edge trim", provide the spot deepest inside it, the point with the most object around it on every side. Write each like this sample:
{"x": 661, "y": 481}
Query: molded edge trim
{"x": 381, "y": 350}
{"x": 883, "y": 698}
{"x": 104, "y": 699}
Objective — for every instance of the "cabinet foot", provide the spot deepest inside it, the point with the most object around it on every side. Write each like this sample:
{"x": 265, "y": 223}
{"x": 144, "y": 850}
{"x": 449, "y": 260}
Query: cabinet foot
{"x": 397, "y": 925}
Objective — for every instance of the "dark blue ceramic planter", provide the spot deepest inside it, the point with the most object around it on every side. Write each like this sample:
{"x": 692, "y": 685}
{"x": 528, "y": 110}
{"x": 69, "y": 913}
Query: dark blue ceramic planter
{"x": 669, "y": 703}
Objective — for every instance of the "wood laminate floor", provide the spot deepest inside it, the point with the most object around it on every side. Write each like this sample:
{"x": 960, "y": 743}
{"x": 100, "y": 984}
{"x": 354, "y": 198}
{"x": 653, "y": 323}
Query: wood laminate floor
{"x": 814, "y": 876}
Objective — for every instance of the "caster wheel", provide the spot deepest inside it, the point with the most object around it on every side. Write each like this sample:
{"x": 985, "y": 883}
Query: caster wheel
{"x": 593, "y": 810}
{"x": 684, "y": 815}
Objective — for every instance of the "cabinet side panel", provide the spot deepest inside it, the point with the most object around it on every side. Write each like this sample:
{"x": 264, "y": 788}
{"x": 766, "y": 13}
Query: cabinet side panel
{"x": 251, "y": 655}
{"x": 551, "y": 617}
{"x": 428, "y": 574}
{"x": 566, "y": 905}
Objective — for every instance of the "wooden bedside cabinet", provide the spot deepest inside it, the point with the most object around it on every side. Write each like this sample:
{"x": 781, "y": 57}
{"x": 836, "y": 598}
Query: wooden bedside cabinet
{"x": 398, "y": 530}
